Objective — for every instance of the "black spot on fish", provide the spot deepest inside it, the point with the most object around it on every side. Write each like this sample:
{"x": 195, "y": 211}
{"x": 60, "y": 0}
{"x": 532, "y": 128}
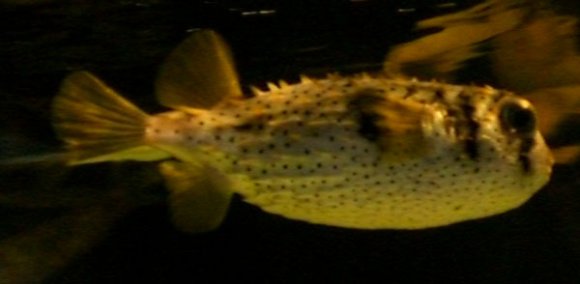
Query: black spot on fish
{"x": 470, "y": 143}
{"x": 243, "y": 127}
{"x": 439, "y": 95}
{"x": 367, "y": 125}
{"x": 523, "y": 156}
{"x": 471, "y": 147}
{"x": 247, "y": 126}
{"x": 411, "y": 90}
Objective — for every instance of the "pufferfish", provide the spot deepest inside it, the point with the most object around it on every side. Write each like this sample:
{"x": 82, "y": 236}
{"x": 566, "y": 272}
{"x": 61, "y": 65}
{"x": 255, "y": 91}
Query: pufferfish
{"x": 361, "y": 151}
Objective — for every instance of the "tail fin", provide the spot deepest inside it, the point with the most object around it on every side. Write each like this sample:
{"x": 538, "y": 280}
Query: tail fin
{"x": 97, "y": 124}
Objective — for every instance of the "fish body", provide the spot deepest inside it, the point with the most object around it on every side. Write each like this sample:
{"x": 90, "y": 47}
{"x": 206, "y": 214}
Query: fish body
{"x": 362, "y": 151}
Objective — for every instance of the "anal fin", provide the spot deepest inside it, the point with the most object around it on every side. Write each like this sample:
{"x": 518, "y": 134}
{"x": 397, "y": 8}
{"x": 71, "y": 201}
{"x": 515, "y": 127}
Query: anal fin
{"x": 199, "y": 73}
{"x": 199, "y": 196}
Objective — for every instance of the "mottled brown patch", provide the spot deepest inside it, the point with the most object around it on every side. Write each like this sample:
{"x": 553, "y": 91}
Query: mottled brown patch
{"x": 393, "y": 124}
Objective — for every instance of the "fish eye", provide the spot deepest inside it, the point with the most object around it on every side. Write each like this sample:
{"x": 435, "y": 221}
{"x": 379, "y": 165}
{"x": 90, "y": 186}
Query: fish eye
{"x": 517, "y": 117}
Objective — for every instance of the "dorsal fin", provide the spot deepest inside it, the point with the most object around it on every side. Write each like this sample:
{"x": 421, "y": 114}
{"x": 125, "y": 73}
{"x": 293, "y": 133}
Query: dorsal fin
{"x": 199, "y": 73}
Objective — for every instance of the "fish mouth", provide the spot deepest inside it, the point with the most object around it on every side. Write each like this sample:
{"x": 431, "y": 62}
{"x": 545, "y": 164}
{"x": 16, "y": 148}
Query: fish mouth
{"x": 534, "y": 158}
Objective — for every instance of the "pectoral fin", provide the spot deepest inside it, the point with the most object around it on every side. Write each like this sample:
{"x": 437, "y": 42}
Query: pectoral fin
{"x": 395, "y": 125}
{"x": 199, "y": 196}
{"x": 199, "y": 73}
{"x": 566, "y": 154}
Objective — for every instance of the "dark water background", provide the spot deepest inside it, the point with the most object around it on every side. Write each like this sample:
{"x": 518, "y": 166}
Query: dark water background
{"x": 124, "y": 42}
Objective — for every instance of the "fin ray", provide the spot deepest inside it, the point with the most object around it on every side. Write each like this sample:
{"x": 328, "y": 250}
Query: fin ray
{"x": 96, "y": 123}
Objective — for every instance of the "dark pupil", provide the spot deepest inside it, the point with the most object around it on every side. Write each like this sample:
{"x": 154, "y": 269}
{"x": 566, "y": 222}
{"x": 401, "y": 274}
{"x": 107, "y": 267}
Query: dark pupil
{"x": 515, "y": 117}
